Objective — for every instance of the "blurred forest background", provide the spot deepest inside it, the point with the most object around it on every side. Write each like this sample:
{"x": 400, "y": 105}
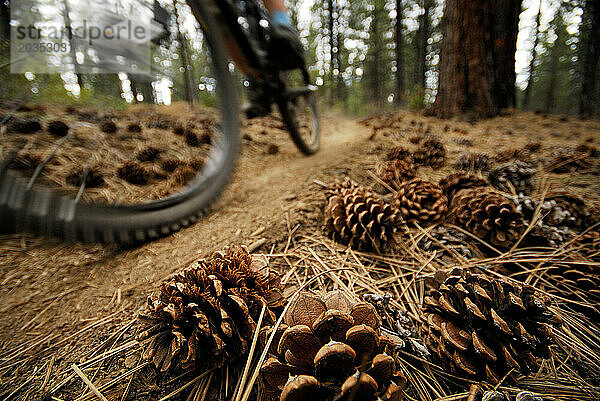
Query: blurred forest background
{"x": 448, "y": 57}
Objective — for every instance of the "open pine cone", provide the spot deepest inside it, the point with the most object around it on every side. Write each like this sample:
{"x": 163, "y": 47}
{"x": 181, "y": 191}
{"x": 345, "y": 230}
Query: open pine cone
{"x": 420, "y": 201}
{"x": 431, "y": 153}
{"x": 487, "y": 214}
{"x": 569, "y": 210}
{"x": 207, "y": 314}
{"x": 357, "y": 217}
{"x": 457, "y": 181}
{"x": 395, "y": 172}
{"x": 481, "y": 327}
{"x": 517, "y": 175}
{"x": 332, "y": 349}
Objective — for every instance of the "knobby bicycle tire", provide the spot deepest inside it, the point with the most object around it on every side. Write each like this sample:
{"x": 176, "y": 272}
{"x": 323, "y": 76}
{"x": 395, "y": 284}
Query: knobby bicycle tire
{"x": 47, "y": 213}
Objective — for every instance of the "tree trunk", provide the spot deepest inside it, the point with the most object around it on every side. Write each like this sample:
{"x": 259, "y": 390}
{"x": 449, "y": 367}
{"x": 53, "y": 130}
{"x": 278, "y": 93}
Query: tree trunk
{"x": 591, "y": 59}
{"x": 4, "y": 21}
{"x": 67, "y": 18}
{"x": 375, "y": 34}
{"x": 466, "y": 83}
{"x": 549, "y": 104}
{"x": 399, "y": 57}
{"x": 332, "y": 57}
{"x": 506, "y": 28}
{"x": 423, "y": 37}
{"x": 533, "y": 57}
{"x": 185, "y": 61}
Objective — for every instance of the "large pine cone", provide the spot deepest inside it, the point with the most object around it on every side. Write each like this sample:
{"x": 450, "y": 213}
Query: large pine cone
{"x": 431, "y": 153}
{"x": 487, "y": 214}
{"x": 420, "y": 201}
{"x": 330, "y": 349}
{"x": 207, "y": 314}
{"x": 357, "y": 217}
{"x": 481, "y": 327}
{"x": 395, "y": 172}
{"x": 517, "y": 175}
{"x": 457, "y": 181}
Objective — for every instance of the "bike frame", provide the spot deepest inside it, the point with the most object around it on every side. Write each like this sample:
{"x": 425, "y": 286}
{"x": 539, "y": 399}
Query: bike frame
{"x": 251, "y": 28}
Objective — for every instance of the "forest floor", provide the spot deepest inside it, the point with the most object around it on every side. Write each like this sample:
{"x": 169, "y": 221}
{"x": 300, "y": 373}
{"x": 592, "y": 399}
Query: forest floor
{"x": 59, "y": 302}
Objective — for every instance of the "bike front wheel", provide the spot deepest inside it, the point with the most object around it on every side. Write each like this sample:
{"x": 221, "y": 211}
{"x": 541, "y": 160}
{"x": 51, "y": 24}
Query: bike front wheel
{"x": 26, "y": 206}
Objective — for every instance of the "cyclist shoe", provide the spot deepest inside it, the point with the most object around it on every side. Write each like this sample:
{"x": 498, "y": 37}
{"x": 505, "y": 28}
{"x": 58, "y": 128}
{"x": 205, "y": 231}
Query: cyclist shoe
{"x": 258, "y": 104}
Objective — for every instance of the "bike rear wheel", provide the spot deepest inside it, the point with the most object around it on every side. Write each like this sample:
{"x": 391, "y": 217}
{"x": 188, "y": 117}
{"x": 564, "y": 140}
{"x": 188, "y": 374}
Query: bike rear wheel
{"x": 298, "y": 108}
{"x": 25, "y": 207}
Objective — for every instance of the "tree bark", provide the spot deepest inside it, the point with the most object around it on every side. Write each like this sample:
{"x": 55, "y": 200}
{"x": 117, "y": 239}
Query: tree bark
{"x": 399, "y": 57}
{"x": 190, "y": 93}
{"x": 533, "y": 57}
{"x": 67, "y": 18}
{"x": 477, "y": 57}
{"x": 423, "y": 37}
{"x": 591, "y": 59}
{"x": 466, "y": 61}
{"x": 506, "y": 28}
{"x": 376, "y": 35}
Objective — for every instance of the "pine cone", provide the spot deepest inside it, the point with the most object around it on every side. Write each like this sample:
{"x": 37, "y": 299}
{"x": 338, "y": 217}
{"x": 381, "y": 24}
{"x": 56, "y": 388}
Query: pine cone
{"x": 473, "y": 162}
{"x": 431, "y": 153}
{"x": 149, "y": 154}
{"x": 398, "y": 153}
{"x": 545, "y": 232}
{"x": 207, "y": 314}
{"x": 331, "y": 350}
{"x": 171, "y": 164}
{"x": 568, "y": 160}
{"x": 457, "y": 181}
{"x": 420, "y": 201}
{"x": 569, "y": 210}
{"x": 517, "y": 175}
{"x": 447, "y": 243}
{"x": 134, "y": 173}
{"x": 58, "y": 128}
{"x": 487, "y": 214}
{"x": 24, "y": 125}
{"x": 108, "y": 127}
{"x": 395, "y": 172}
{"x": 481, "y": 328}
{"x": 355, "y": 216}
{"x": 93, "y": 177}
{"x": 397, "y": 323}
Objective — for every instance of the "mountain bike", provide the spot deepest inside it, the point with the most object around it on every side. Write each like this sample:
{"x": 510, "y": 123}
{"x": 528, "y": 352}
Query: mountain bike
{"x": 26, "y": 206}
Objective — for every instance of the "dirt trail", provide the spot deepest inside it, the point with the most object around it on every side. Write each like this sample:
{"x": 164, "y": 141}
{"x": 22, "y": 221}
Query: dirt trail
{"x": 43, "y": 290}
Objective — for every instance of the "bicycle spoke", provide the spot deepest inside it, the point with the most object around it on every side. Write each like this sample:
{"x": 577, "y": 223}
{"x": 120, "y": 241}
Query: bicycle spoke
{"x": 41, "y": 166}
{"x": 82, "y": 186}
